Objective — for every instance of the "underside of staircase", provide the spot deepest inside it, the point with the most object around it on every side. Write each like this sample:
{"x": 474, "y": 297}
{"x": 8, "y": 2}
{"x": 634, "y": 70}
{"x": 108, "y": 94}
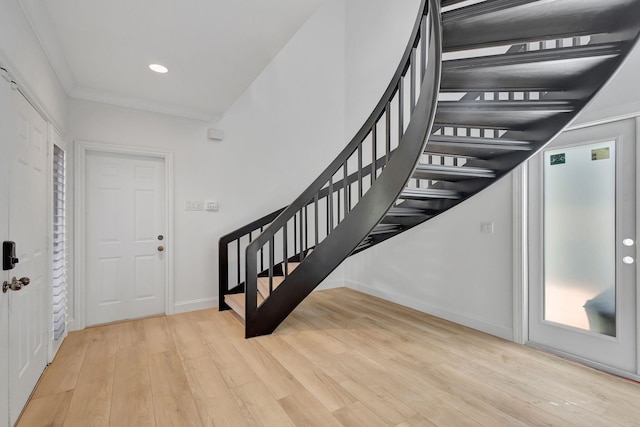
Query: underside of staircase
{"x": 481, "y": 87}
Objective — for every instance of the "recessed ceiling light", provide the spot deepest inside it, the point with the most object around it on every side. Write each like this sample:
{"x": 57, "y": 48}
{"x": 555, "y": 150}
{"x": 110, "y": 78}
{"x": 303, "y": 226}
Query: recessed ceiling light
{"x": 159, "y": 68}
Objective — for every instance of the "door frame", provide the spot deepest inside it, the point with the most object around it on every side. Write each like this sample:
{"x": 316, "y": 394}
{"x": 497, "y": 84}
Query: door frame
{"x": 80, "y": 156}
{"x": 521, "y": 255}
{"x": 4, "y": 235}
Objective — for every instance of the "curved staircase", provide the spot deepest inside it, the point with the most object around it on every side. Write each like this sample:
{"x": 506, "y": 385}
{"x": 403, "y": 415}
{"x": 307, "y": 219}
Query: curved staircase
{"x": 481, "y": 87}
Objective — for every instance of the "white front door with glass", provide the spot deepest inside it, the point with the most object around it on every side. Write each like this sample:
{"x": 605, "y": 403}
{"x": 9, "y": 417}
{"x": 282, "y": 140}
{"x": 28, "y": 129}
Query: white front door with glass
{"x": 582, "y": 273}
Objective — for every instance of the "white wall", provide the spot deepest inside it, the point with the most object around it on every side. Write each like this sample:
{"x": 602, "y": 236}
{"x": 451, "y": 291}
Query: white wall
{"x": 22, "y": 53}
{"x": 446, "y": 266}
{"x": 279, "y": 135}
{"x": 621, "y": 95}
{"x": 377, "y": 32}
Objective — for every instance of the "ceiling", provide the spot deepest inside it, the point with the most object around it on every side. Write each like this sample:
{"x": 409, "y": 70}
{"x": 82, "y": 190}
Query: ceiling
{"x": 213, "y": 49}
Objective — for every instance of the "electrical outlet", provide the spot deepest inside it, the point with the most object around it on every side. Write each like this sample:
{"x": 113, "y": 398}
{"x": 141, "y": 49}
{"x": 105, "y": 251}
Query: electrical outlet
{"x": 212, "y": 206}
{"x": 486, "y": 227}
{"x": 194, "y": 205}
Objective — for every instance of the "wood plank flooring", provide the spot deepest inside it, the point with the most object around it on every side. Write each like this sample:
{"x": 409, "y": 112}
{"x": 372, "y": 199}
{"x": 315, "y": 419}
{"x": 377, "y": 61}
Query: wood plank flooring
{"x": 341, "y": 359}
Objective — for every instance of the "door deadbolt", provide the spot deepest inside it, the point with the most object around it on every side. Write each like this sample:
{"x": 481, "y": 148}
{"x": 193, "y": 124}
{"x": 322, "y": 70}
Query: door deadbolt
{"x": 15, "y": 284}
{"x": 160, "y": 237}
{"x": 9, "y": 259}
{"x": 160, "y": 248}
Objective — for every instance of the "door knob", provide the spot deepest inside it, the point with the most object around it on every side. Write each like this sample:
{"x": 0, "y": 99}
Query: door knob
{"x": 15, "y": 284}
{"x": 160, "y": 248}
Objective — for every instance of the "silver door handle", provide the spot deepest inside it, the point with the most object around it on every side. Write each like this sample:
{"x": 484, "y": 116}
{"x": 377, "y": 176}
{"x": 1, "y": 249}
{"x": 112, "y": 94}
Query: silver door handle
{"x": 15, "y": 284}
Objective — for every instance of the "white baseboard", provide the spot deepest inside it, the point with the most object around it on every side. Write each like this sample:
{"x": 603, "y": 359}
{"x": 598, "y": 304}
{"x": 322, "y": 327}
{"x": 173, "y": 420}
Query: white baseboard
{"x": 194, "y": 305}
{"x": 71, "y": 325}
{"x": 480, "y": 325}
{"x": 330, "y": 284}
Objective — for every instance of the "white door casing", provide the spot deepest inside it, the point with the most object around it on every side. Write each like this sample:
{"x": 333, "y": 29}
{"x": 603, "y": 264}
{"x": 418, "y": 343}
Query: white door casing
{"x": 28, "y": 222}
{"x": 122, "y": 206}
{"x": 617, "y": 353}
{"x": 5, "y": 125}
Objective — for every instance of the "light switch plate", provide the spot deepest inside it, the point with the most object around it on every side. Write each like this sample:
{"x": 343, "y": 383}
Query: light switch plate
{"x": 194, "y": 205}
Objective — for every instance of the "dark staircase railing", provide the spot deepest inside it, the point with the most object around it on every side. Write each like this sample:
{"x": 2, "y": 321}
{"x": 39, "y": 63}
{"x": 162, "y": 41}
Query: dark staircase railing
{"x": 488, "y": 84}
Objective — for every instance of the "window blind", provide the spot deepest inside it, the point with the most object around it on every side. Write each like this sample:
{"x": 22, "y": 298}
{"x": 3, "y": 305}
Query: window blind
{"x": 59, "y": 245}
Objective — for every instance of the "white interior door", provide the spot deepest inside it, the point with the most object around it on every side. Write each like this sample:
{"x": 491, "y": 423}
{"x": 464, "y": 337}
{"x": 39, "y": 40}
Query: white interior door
{"x": 583, "y": 286}
{"x": 28, "y": 228}
{"x": 125, "y": 236}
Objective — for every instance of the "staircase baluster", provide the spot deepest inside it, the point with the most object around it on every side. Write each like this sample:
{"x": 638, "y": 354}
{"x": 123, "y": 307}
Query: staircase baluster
{"x": 315, "y": 215}
{"x": 412, "y": 85}
{"x": 328, "y": 215}
{"x": 301, "y": 234}
{"x": 295, "y": 235}
{"x": 338, "y": 216}
{"x": 400, "y": 110}
{"x": 359, "y": 172}
{"x": 285, "y": 251}
{"x": 423, "y": 48}
{"x": 330, "y": 198}
{"x": 374, "y": 153}
{"x": 344, "y": 188}
{"x": 261, "y": 253}
{"x": 271, "y": 262}
{"x": 238, "y": 259}
{"x": 387, "y": 113}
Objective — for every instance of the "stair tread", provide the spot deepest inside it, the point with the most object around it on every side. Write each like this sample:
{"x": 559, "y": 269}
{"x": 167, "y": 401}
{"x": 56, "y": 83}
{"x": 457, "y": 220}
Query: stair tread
{"x": 499, "y": 114}
{"x": 237, "y": 302}
{"x": 502, "y": 106}
{"x": 291, "y": 265}
{"x": 445, "y": 3}
{"x": 473, "y": 147}
{"x": 495, "y": 22}
{"x": 403, "y": 212}
{"x": 385, "y": 228}
{"x": 263, "y": 284}
{"x": 541, "y": 70}
{"x": 447, "y": 172}
{"x": 476, "y": 140}
{"x": 479, "y": 151}
{"x": 429, "y": 193}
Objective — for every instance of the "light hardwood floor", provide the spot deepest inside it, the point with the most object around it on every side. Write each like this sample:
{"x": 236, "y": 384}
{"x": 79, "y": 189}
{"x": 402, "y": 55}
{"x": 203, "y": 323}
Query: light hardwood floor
{"x": 341, "y": 359}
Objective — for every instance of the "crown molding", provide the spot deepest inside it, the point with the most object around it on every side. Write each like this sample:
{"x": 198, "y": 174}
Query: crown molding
{"x": 140, "y": 104}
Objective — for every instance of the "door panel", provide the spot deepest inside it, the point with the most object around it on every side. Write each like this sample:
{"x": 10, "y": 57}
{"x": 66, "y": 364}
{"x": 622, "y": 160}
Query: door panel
{"x": 125, "y": 207}
{"x": 28, "y": 222}
{"x": 582, "y": 294}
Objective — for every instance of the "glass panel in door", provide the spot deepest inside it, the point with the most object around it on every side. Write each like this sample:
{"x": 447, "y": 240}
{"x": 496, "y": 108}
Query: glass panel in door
{"x": 579, "y": 237}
